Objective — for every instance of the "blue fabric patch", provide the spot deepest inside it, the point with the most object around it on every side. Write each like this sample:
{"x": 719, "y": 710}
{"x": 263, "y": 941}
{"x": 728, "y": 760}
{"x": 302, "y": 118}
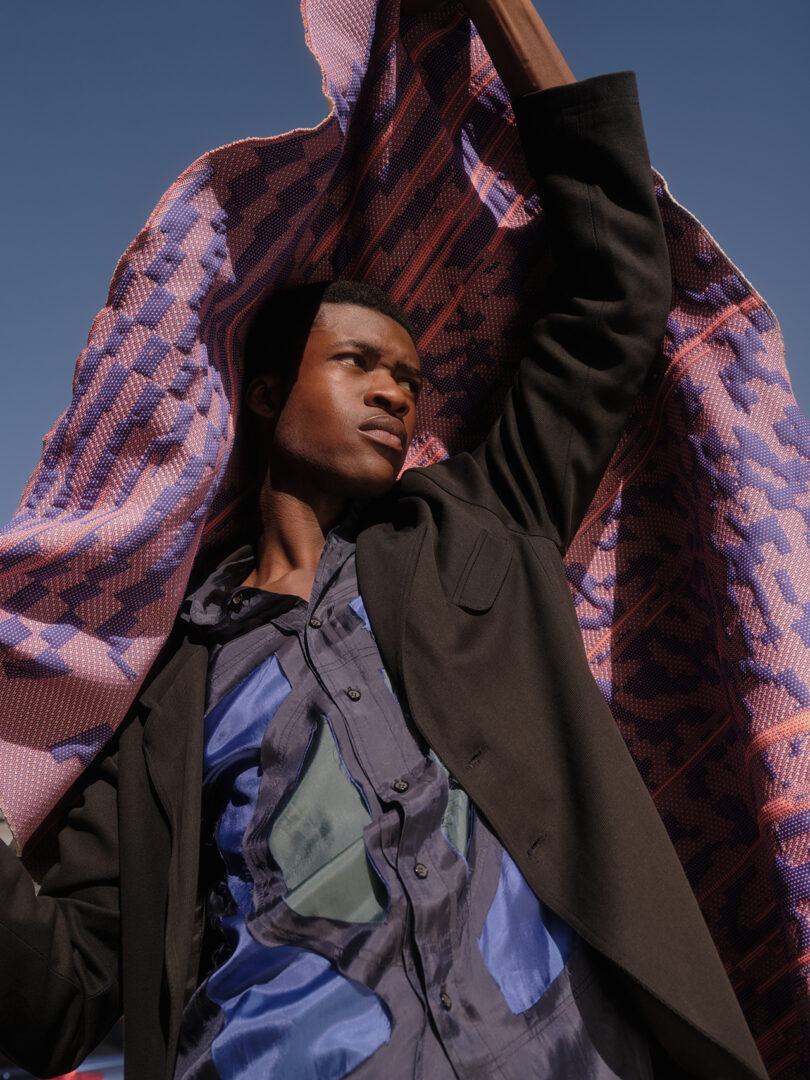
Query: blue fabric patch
{"x": 524, "y": 945}
{"x": 234, "y": 729}
{"x": 359, "y": 608}
{"x": 233, "y": 736}
{"x": 289, "y": 1013}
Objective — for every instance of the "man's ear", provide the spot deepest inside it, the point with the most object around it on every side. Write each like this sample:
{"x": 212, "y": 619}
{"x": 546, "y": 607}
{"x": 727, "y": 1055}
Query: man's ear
{"x": 263, "y": 396}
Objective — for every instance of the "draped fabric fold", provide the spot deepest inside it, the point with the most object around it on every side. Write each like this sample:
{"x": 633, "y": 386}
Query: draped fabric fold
{"x": 690, "y": 573}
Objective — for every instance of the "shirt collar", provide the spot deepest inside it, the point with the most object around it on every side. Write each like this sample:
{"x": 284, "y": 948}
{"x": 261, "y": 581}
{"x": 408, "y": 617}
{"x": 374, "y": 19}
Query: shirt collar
{"x": 222, "y": 608}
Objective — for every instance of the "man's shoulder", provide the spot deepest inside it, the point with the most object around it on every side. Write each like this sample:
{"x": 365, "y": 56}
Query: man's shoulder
{"x": 448, "y": 492}
{"x": 457, "y": 479}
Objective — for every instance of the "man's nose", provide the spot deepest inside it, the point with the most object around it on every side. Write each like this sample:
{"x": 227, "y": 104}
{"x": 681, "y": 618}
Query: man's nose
{"x": 386, "y": 393}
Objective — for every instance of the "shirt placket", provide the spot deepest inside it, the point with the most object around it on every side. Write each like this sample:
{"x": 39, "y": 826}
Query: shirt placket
{"x": 435, "y": 879}
{"x": 433, "y": 876}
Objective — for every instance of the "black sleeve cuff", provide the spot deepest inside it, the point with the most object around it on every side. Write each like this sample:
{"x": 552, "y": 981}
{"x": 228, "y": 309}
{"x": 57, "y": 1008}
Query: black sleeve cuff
{"x": 546, "y": 118}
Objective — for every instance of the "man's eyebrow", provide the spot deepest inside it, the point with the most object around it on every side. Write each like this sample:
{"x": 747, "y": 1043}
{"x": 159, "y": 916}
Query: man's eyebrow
{"x": 364, "y": 347}
{"x": 372, "y": 351}
{"x": 409, "y": 369}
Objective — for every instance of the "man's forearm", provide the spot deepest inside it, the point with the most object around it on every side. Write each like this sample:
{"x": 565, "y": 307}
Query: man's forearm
{"x": 605, "y": 310}
{"x": 522, "y": 49}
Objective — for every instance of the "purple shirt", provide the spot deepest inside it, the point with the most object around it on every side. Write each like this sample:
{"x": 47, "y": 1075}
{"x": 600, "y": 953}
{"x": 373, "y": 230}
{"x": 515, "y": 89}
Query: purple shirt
{"x": 370, "y": 922}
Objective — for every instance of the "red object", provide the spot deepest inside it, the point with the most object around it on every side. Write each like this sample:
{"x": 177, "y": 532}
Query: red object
{"x": 81, "y": 1076}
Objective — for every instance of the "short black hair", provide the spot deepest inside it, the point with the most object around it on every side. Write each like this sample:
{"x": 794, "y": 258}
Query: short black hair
{"x": 280, "y": 327}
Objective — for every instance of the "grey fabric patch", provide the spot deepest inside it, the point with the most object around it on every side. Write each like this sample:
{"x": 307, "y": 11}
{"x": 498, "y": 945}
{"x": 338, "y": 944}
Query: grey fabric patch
{"x": 317, "y": 841}
{"x": 456, "y": 819}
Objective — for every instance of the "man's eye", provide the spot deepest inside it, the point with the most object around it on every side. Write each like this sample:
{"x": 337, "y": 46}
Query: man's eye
{"x": 411, "y": 385}
{"x": 352, "y": 359}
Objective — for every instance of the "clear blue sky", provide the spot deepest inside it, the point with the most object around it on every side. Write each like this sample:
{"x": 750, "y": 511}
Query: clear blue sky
{"x": 104, "y": 104}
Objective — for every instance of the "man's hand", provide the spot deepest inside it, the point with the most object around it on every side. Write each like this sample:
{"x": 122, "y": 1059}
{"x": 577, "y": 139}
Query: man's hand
{"x": 516, "y": 38}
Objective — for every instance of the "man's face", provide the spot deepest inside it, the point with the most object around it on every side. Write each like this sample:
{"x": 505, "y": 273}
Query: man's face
{"x": 345, "y": 424}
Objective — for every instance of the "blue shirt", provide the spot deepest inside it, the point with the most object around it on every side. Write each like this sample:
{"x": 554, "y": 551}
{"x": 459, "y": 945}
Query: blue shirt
{"x": 371, "y": 922}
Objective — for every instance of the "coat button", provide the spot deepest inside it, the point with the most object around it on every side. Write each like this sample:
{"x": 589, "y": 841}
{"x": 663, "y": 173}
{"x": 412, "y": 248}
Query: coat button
{"x": 315, "y": 623}
{"x": 352, "y": 694}
{"x": 446, "y": 1000}
{"x": 237, "y": 600}
{"x": 400, "y": 785}
{"x": 420, "y": 870}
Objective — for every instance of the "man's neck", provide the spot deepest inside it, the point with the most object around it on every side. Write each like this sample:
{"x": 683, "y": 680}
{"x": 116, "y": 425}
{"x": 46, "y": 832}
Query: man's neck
{"x": 294, "y": 532}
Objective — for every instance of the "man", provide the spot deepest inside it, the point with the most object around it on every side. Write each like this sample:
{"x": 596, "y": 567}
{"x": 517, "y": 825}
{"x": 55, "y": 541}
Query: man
{"x": 426, "y": 851}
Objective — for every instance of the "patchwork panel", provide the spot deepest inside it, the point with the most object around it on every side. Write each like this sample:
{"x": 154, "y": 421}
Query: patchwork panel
{"x": 523, "y": 944}
{"x": 317, "y": 840}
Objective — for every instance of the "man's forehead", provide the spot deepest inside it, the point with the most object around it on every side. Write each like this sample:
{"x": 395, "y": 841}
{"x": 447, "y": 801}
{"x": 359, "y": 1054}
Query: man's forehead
{"x": 358, "y": 324}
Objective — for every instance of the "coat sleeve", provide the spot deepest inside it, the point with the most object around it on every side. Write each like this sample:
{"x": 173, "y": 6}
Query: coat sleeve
{"x": 605, "y": 309}
{"x": 59, "y": 950}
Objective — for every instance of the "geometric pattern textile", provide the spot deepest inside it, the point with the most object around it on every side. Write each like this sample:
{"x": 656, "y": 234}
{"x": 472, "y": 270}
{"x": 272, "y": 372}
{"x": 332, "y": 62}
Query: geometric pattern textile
{"x": 690, "y": 573}
{"x": 691, "y": 579}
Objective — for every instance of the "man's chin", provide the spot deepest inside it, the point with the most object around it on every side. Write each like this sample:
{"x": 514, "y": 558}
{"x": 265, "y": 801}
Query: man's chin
{"x": 366, "y": 484}
{"x": 370, "y": 476}
{"x": 367, "y": 489}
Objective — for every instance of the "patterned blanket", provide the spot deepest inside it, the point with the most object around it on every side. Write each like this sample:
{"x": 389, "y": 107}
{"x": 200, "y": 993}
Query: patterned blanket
{"x": 690, "y": 573}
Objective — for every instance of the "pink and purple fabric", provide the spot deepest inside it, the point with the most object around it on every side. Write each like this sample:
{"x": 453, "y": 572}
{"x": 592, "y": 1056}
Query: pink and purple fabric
{"x": 690, "y": 574}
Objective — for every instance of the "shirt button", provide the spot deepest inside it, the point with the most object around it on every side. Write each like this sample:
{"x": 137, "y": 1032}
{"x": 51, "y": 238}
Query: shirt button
{"x": 400, "y": 785}
{"x": 237, "y": 600}
{"x": 315, "y": 623}
{"x": 446, "y": 1000}
{"x": 420, "y": 870}
{"x": 352, "y": 694}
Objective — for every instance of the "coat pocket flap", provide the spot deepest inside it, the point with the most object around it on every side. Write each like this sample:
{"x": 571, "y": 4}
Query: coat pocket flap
{"x": 483, "y": 574}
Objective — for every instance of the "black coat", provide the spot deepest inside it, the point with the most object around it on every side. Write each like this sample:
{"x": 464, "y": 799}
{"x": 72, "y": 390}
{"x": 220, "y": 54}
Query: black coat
{"x": 460, "y": 568}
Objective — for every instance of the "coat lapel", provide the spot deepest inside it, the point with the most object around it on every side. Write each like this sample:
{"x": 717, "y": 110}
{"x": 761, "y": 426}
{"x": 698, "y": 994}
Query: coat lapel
{"x": 173, "y": 750}
{"x": 175, "y": 701}
{"x": 386, "y": 558}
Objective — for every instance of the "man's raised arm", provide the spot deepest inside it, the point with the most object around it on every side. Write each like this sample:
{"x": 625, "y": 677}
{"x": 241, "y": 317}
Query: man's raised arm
{"x": 605, "y": 309}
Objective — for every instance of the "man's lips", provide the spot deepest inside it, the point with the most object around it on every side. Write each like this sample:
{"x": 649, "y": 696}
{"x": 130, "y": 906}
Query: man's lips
{"x": 387, "y": 431}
